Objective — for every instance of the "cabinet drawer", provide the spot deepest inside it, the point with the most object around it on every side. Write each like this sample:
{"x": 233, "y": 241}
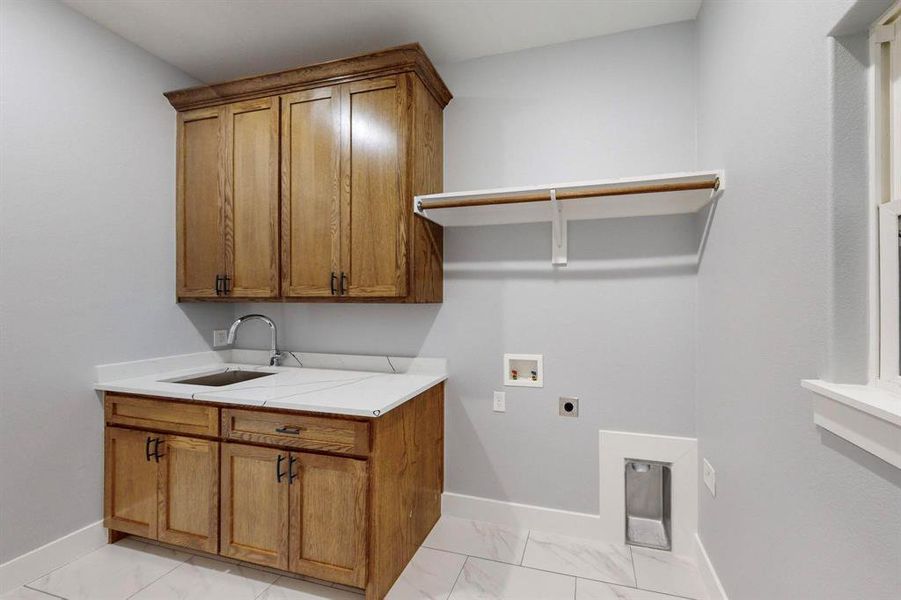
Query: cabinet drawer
{"x": 296, "y": 431}
{"x": 146, "y": 413}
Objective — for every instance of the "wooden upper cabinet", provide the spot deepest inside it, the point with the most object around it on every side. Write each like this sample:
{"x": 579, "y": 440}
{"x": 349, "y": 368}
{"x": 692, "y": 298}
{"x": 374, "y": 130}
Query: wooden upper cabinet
{"x": 251, "y": 198}
{"x": 228, "y": 201}
{"x": 310, "y": 210}
{"x": 357, "y": 139}
{"x": 200, "y": 192}
{"x": 376, "y": 205}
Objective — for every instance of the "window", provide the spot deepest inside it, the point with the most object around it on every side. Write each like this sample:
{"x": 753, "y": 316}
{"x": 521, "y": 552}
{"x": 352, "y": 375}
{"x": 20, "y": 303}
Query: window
{"x": 886, "y": 53}
{"x": 869, "y": 415}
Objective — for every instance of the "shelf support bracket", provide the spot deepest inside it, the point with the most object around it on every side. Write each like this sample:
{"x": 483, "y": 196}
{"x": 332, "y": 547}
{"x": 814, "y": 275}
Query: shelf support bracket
{"x": 558, "y": 234}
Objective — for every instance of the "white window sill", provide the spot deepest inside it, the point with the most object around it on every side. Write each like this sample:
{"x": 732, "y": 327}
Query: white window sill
{"x": 865, "y": 415}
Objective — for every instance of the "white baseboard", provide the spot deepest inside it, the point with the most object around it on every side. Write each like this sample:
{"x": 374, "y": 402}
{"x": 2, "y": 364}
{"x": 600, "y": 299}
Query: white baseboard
{"x": 524, "y": 516}
{"x": 711, "y": 581}
{"x": 40, "y": 561}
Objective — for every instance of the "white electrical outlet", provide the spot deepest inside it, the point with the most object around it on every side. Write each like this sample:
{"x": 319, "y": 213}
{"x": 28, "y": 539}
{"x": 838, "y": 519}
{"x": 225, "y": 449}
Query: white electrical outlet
{"x": 220, "y": 338}
{"x": 500, "y": 402}
{"x": 710, "y": 478}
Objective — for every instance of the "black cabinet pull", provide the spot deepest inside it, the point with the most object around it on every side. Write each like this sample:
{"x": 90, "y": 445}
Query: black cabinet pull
{"x": 291, "y": 475}
{"x": 226, "y": 283}
{"x": 147, "y": 448}
{"x": 156, "y": 449}
{"x": 278, "y": 469}
{"x": 218, "y": 285}
{"x": 332, "y": 281}
{"x": 343, "y": 283}
{"x": 288, "y": 429}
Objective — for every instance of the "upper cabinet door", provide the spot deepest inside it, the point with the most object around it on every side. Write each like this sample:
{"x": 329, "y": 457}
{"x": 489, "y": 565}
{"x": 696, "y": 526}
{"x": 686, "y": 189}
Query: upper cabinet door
{"x": 131, "y": 482}
{"x": 329, "y": 517}
{"x": 189, "y": 492}
{"x": 200, "y": 191}
{"x": 310, "y": 209}
{"x": 375, "y": 199}
{"x": 254, "y": 505}
{"x": 251, "y": 198}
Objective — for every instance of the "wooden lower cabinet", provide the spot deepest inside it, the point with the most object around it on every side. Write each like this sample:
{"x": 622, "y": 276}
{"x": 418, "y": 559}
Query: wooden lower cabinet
{"x": 406, "y": 480}
{"x": 130, "y": 483}
{"x": 162, "y": 487}
{"x": 295, "y": 511}
{"x": 353, "y": 516}
{"x": 189, "y": 493}
{"x": 254, "y": 509}
{"x": 328, "y": 518}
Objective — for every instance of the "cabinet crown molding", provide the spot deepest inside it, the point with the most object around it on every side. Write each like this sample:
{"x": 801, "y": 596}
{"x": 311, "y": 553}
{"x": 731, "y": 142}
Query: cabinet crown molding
{"x": 399, "y": 59}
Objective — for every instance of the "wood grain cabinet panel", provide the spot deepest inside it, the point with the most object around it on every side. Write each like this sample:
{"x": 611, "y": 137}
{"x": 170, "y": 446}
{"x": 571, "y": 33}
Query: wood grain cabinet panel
{"x": 130, "y": 482}
{"x": 162, "y": 487}
{"x": 376, "y": 202}
{"x": 406, "y": 481}
{"x": 251, "y": 198}
{"x": 310, "y": 209}
{"x": 200, "y": 194}
{"x": 147, "y": 413}
{"x": 254, "y": 505}
{"x": 428, "y": 463}
{"x": 189, "y": 493}
{"x": 228, "y": 201}
{"x": 329, "y": 511}
{"x": 325, "y": 434}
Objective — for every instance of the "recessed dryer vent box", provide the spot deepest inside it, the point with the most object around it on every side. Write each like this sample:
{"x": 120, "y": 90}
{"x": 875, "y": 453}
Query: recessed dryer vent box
{"x": 524, "y": 370}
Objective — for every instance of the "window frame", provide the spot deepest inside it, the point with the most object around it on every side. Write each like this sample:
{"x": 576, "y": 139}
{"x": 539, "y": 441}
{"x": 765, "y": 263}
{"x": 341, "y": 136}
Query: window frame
{"x": 885, "y": 49}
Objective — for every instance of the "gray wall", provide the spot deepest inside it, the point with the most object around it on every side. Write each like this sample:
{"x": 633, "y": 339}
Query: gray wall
{"x": 617, "y": 326}
{"x": 849, "y": 248}
{"x": 799, "y": 513}
{"x": 86, "y": 255}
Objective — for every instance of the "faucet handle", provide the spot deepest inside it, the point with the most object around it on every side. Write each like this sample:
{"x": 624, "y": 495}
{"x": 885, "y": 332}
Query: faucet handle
{"x": 276, "y": 358}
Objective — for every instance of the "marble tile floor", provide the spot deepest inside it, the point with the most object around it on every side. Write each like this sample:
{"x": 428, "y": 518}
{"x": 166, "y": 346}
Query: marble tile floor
{"x": 460, "y": 560}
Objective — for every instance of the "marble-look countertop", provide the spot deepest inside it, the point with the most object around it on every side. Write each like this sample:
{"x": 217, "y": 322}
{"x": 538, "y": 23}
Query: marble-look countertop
{"x": 365, "y": 391}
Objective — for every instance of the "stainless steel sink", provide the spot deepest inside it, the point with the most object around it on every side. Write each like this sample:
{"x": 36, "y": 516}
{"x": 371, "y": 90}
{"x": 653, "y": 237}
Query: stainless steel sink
{"x": 221, "y": 378}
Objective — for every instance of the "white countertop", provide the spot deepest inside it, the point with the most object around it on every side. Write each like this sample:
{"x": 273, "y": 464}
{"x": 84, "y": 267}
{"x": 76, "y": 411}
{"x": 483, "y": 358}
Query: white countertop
{"x": 364, "y": 393}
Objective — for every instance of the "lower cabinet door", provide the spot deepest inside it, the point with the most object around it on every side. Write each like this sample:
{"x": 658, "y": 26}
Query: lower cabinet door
{"x": 130, "y": 481}
{"x": 254, "y": 505}
{"x": 329, "y": 518}
{"x": 189, "y": 493}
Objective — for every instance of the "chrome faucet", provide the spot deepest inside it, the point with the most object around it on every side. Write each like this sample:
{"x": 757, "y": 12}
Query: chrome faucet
{"x": 275, "y": 356}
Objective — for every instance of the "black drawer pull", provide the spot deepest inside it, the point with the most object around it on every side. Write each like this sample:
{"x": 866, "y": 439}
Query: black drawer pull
{"x": 147, "y": 448}
{"x": 278, "y": 469}
{"x": 288, "y": 429}
{"x": 291, "y": 474}
{"x": 156, "y": 449}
